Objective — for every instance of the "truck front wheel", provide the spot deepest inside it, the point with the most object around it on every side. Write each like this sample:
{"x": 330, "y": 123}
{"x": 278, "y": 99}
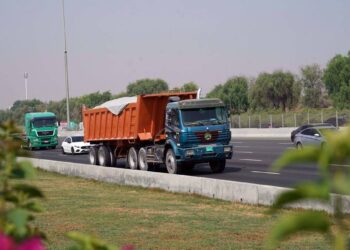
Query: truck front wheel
{"x": 217, "y": 166}
{"x": 131, "y": 159}
{"x": 170, "y": 161}
{"x": 93, "y": 156}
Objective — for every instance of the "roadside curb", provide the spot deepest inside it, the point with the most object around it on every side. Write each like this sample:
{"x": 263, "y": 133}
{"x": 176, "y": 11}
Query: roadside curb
{"x": 248, "y": 193}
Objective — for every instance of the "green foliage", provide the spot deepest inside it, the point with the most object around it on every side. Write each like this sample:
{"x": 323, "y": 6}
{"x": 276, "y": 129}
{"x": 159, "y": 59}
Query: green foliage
{"x": 190, "y": 86}
{"x": 87, "y": 242}
{"x": 336, "y": 150}
{"x": 234, "y": 93}
{"x": 278, "y": 90}
{"x": 146, "y": 86}
{"x": 293, "y": 223}
{"x": 17, "y": 201}
{"x": 337, "y": 80}
{"x": 311, "y": 80}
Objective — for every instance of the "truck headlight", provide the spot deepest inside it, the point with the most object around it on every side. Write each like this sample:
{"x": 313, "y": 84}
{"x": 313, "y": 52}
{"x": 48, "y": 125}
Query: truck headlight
{"x": 190, "y": 152}
{"x": 227, "y": 149}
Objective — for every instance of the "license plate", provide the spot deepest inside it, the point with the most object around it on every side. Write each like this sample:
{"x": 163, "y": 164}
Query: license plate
{"x": 209, "y": 149}
{"x": 46, "y": 142}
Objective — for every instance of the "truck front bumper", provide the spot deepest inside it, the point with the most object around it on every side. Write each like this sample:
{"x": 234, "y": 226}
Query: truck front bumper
{"x": 204, "y": 153}
{"x": 44, "y": 142}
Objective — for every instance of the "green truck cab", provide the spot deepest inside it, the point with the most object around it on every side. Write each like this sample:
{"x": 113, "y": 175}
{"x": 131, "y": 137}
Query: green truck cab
{"x": 41, "y": 130}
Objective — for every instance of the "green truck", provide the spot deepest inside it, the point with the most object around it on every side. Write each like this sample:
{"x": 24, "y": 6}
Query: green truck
{"x": 41, "y": 130}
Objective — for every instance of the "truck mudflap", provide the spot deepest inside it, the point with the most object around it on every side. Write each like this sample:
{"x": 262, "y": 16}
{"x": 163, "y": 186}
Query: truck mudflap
{"x": 204, "y": 153}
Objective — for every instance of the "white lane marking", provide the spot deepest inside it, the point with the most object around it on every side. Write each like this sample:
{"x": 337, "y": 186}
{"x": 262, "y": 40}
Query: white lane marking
{"x": 249, "y": 160}
{"x": 262, "y": 172}
{"x": 243, "y": 152}
{"x": 238, "y": 142}
{"x": 240, "y": 146}
{"x": 285, "y": 143}
{"x": 340, "y": 165}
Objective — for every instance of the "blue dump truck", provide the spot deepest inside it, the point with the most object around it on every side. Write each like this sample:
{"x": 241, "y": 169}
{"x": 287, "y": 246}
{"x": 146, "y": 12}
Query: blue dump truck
{"x": 40, "y": 130}
{"x": 174, "y": 129}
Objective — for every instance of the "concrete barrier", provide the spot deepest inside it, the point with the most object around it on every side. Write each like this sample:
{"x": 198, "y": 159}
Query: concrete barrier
{"x": 283, "y": 133}
{"x": 220, "y": 189}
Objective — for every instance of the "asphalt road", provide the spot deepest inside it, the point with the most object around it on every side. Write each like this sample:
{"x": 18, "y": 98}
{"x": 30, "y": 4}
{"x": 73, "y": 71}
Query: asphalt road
{"x": 250, "y": 163}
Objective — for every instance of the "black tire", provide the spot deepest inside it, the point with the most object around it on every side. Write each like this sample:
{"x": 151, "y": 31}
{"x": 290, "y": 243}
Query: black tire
{"x": 63, "y": 151}
{"x": 172, "y": 166}
{"x": 142, "y": 160}
{"x": 53, "y": 147}
{"x": 112, "y": 157}
{"x": 104, "y": 157}
{"x": 72, "y": 151}
{"x": 131, "y": 158}
{"x": 30, "y": 146}
{"x": 218, "y": 166}
{"x": 93, "y": 156}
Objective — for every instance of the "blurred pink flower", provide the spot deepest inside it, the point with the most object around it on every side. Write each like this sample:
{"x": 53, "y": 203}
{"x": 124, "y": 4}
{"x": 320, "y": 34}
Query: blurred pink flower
{"x": 6, "y": 242}
{"x": 31, "y": 244}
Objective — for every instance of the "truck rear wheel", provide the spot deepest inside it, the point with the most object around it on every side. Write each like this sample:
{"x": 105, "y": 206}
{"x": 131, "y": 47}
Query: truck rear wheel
{"x": 170, "y": 162}
{"x": 142, "y": 159}
{"x": 217, "y": 166}
{"x": 112, "y": 157}
{"x": 104, "y": 157}
{"x": 93, "y": 156}
{"x": 131, "y": 159}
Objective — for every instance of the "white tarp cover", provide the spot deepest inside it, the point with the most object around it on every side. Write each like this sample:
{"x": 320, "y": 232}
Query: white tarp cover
{"x": 116, "y": 106}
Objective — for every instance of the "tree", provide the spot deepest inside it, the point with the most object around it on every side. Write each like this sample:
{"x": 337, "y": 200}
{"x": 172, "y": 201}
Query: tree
{"x": 313, "y": 86}
{"x": 234, "y": 93}
{"x": 146, "y": 86}
{"x": 337, "y": 80}
{"x": 278, "y": 90}
{"x": 188, "y": 87}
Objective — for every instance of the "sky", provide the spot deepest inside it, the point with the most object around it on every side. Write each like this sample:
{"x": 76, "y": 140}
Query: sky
{"x": 112, "y": 43}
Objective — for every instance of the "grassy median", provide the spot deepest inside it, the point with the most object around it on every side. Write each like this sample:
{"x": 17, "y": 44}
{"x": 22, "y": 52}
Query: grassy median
{"x": 153, "y": 219}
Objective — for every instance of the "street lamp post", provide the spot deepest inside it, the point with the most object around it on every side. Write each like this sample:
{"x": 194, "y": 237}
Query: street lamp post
{"x": 66, "y": 64}
{"x": 26, "y": 83}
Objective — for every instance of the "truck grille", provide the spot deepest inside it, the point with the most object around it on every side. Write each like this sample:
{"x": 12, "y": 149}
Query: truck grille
{"x": 208, "y": 136}
{"x": 45, "y": 133}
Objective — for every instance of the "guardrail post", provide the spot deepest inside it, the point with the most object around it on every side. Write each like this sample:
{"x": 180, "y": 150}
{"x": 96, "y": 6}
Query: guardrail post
{"x": 249, "y": 120}
{"x": 259, "y": 121}
{"x": 295, "y": 120}
{"x": 321, "y": 116}
{"x": 271, "y": 121}
{"x": 336, "y": 118}
{"x": 239, "y": 121}
{"x": 308, "y": 117}
{"x": 282, "y": 121}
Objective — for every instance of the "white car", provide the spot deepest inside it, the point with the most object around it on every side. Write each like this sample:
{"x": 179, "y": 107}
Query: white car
{"x": 75, "y": 145}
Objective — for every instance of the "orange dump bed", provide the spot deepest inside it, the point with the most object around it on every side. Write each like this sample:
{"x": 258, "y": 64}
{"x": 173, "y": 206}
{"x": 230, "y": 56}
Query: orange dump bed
{"x": 143, "y": 120}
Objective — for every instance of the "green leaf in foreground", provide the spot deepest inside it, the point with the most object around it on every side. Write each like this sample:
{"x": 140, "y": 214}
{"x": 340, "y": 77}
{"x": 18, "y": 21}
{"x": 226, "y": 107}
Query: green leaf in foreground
{"x": 308, "y": 154}
{"x": 18, "y": 217}
{"x": 316, "y": 191}
{"x": 308, "y": 221}
{"x": 30, "y": 191}
{"x": 87, "y": 242}
{"x": 23, "y": 170}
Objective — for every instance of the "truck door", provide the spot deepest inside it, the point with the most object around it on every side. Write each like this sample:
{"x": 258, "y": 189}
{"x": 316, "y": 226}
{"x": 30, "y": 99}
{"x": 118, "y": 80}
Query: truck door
{"x": 172, "y": 126}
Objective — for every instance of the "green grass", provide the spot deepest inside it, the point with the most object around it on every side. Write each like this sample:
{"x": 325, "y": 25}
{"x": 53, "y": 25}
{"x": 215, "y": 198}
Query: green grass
{"x": 153, "y": 219}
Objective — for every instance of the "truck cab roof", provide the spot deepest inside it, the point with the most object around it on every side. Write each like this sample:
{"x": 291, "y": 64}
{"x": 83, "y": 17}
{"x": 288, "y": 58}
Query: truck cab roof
{"x": 39, "y": 115}
{"x": 197, "y": 103}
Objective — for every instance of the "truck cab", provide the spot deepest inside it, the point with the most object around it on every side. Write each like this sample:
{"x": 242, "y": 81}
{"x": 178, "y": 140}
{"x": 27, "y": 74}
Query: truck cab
{"x": 41, "y": 130}
{"x": 197, "y": 131}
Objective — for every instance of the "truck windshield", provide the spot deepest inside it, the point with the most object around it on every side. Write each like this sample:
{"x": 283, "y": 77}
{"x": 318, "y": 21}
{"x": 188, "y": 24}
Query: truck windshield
{"x": 44, "y": 122}
{"x": 204, "y": 116}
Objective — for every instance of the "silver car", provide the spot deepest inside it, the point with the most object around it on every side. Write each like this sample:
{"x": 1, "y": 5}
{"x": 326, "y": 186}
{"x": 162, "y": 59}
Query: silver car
{"x": 312, "y": 136}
